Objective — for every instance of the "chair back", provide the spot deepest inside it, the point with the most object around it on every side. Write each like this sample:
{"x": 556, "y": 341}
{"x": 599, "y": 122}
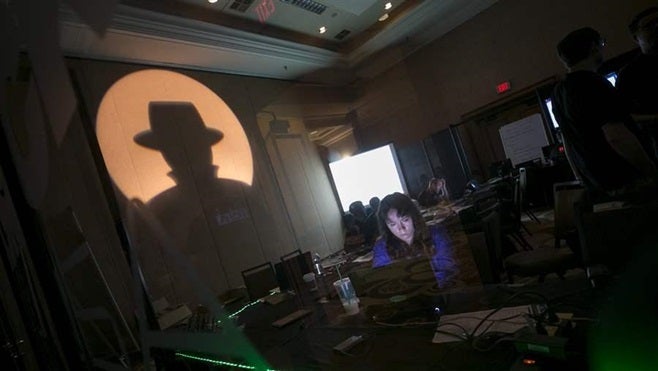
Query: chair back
{"x": 488, "y": 258}
{"x": 566, "y": 195}
{"x": 522, "y": 186}
{"x": 259, "y": 280}
{"x": 294, "y": 266}
{"x": 616, "y": 236}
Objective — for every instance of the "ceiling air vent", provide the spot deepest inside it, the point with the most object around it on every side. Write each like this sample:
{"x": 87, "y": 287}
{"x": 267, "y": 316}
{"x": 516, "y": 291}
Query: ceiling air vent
{"x": 342, "y": 34}
{"x": 308, "y": 5}
{"x": 241, "y": 5}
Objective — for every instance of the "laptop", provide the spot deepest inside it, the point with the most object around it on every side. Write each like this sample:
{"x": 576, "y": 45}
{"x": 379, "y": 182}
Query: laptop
{"x": 401, "y": 279}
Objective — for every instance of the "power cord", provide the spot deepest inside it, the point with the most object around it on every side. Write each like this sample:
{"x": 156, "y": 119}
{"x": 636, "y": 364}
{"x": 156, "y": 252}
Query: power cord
{"x": 507, "y": 301}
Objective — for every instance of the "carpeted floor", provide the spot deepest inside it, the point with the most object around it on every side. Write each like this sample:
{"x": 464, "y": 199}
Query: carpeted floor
{"x": 541, "y": 236}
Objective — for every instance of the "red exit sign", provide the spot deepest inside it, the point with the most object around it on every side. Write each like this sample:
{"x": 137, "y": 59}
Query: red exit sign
{"x": 503, "y": 87}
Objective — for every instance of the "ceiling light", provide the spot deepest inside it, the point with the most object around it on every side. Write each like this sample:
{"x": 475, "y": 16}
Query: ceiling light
{"x": 323, "y": 29}
{"x": 384, "y": 17}
{"x": 212, "y": 1}
{"x": 387, "y": 6}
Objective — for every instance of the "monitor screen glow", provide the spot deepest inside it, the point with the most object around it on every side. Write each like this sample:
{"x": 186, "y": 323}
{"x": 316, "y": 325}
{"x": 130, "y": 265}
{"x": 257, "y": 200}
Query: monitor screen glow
{"x": 368, "y": 174}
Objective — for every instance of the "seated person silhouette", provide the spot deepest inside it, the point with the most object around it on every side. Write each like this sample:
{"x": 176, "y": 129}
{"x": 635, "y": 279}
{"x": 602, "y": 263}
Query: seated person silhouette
{"x": 353, "y": 237}
{"x": 206, "y": 216}
{"x": 374, "y": 205}
{"x": 435, "y": 192}
{"x": 406, "y": 236}
{"x": 367, "y": 223}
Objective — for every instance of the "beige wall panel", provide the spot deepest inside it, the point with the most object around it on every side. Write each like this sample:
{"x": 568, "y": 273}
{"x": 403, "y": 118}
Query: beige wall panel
{"x": 310, "y": 202}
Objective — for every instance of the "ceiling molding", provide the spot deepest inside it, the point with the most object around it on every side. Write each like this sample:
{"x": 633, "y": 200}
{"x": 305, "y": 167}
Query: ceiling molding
{"x": 142, "y": 36}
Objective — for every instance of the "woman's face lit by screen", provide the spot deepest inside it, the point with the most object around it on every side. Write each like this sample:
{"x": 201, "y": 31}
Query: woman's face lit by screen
{"x": 402, "y": 226}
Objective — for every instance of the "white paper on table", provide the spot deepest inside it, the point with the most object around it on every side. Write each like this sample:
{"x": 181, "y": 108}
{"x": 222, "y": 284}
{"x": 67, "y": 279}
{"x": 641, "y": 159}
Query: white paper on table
{"x": 500, "y": 322}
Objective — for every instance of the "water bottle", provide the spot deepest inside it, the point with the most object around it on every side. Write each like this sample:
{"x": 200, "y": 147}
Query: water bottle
{"x": 317, "y": 264}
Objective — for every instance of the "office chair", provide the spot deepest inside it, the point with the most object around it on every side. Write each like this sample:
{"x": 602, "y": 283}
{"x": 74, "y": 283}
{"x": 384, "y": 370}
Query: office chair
{"x": 565, "y": 196}
{"x": 259, "y": 280}
{"x": 291, "y": 254}
{"x": 611, "y": 238}
{"x": 487, "y": 255}
{"x": 510, "y": 216}
{"x": 294, "y": 266}
{"x": 524, "y": 205}
{"x": 538, "y": 262}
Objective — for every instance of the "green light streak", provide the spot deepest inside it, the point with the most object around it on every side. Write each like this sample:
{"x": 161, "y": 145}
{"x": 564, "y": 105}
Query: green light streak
{"x": 217, "y": 362}
{"x": 243, "y": 308}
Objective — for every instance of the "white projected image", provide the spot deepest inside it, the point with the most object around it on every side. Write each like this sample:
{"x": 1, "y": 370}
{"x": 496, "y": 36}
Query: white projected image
{"x": 368, "y": 174}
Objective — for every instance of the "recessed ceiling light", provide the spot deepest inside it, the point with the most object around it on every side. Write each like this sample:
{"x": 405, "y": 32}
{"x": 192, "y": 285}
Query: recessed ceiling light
{"x": 384, "y": 17}
{"x": 212, "y": 1}
{"x": 387, "y": 6}
{"x": 323, "y": 29}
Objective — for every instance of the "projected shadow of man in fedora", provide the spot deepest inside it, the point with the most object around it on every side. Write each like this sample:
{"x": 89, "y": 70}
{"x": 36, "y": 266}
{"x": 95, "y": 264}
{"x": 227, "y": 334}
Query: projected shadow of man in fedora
{"x": 207, "y": 217}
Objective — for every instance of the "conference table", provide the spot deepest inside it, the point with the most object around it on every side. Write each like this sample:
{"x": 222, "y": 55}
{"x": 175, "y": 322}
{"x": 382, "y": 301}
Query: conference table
{"x": 399, "y": 316}
{"x": 408, "y": 322}
{"x": 402, "y": 341}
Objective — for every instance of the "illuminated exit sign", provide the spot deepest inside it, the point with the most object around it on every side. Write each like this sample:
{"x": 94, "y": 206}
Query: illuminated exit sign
{"x": 503, "y": 87}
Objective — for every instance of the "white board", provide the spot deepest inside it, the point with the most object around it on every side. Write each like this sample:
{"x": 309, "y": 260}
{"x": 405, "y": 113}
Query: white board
{"x": 523, "y": 139}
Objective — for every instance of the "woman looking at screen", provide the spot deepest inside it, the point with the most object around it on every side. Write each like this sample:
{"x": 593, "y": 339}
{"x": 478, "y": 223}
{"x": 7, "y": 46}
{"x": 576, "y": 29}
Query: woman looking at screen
{"x": 404, "y": 234}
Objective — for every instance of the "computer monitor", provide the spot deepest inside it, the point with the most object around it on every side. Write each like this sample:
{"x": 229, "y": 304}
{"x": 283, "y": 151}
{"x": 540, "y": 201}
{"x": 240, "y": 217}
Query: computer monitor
{"x": 612, "y": 77}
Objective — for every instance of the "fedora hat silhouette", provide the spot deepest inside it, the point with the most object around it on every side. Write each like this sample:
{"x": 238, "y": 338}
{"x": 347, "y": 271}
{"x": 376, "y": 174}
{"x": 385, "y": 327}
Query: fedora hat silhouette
{"x": 163, "y": 114}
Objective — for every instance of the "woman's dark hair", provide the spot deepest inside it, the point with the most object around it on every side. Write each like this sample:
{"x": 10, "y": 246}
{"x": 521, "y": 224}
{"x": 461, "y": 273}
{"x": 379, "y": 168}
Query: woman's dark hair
{"x": 405, "y": 207}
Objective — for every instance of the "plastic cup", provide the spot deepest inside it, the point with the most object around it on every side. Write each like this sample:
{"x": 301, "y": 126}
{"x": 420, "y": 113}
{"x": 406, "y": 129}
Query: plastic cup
{"x": 347, "y": 295}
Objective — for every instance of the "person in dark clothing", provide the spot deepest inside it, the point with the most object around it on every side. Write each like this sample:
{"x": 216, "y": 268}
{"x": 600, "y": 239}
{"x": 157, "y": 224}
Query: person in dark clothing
{"x": 367, "y": 223}
{"x": 374, "y": 205}
{"x": 638, "y": 81}
{"x": 601, "y": 139}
